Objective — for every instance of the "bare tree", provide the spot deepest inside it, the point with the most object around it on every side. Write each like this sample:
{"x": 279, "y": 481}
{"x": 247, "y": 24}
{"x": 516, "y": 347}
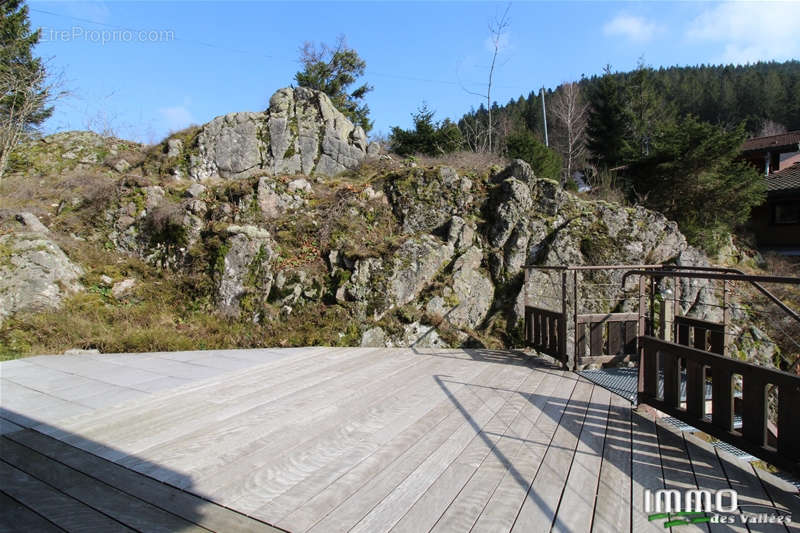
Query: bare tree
{"x": 571, "y": 115}
{"x": 497, "y": 29}
{"x": 23, "y": 92}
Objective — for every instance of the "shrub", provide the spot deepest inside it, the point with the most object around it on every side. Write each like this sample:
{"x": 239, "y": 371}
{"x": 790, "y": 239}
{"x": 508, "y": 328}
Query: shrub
{"x": 545, "y": 162}
{"x": 427, "y": 137}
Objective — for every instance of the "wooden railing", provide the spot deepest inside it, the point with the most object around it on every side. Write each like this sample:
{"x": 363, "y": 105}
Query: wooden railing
{"x": 700, "y": 334}
{"x": 668, "y": 361}
{"x": 546, "y": 332}
{"x": 612, "y": 336}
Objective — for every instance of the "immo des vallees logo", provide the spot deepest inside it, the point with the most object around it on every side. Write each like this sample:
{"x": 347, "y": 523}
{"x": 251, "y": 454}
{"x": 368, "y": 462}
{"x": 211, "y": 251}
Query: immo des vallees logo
{"x": 692, "y": 506}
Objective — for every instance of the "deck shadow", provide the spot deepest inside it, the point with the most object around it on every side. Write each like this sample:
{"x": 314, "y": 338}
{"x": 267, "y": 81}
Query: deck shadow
{"x": 50, "y": 485}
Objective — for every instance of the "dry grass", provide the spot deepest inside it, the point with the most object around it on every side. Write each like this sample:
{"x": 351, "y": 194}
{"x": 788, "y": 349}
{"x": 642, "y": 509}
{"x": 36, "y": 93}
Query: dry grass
{"x": 463, "y": 161}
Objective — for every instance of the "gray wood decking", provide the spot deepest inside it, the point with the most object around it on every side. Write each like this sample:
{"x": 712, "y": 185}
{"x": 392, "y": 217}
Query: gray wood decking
{"x": 340, "y": 439}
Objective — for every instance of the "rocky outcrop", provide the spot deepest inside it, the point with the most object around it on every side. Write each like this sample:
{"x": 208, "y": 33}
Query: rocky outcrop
{"x": 246, "y": 277}
{"x": 396, "y": 281}
{"x": 35, "y": 274}
{"x": 425, "y": 199}
{"x": 301, "y": 132}
{"x": 467, "y": 302}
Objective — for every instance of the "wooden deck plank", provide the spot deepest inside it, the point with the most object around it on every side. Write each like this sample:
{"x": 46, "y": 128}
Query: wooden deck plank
{"x": 17, "y": 518}
{"x": 104, "y": 498}
{"x": 577, "y": 503}
{"x": 419, "y": 464}
{"x": 504, "y": 505}
{"x": 22, "y": 404}
{"x": 179, "y": 503}
{"x": 612, "y": 511}
{"x": 213, "y": 389}
{"x": 55, "y": 506}
{"x": 201, "y": 449}
{"x": 397, "y": 503}
{"x": 357, "y": 427}
{"x": 646, "y": 471}
{"x": 471, "y": 473}
{"x": 783, "y": 495}
{"x": 417, "y": 442}
{"x": 709, "y": 475}
{"x": 751, "y": 494}
{"x": 539, "y": 508}
{"x": 678, "y": 472}
{"x": 335, "y": 439}
{"x": 7, "y": 426}
{"x": 170, "y": 417}
{"x": 472, "y": 499}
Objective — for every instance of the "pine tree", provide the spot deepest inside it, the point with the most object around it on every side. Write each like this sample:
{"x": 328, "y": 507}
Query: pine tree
{"x": 694, "y": 176}
{"x": 607, "y": 129}
{"x": 428, "y": 137}
{"x": 333, "y": 70}
{"x": 24, "y": 93}
{"x": 546, "y": 163}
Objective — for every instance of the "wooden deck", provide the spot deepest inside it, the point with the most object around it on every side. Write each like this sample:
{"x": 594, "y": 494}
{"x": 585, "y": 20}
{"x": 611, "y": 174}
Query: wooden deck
{"x": 341, "y": 439}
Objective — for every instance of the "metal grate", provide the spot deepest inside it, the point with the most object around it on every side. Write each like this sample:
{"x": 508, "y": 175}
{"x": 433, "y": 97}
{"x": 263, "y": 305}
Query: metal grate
{"x": 621, "y": 381}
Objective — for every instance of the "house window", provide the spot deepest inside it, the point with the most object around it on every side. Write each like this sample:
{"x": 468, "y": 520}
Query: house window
{"x": 786, "y": 213}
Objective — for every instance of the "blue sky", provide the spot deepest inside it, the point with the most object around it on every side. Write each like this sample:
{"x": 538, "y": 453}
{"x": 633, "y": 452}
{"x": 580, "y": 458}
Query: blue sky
{"x": 214, "y": 58}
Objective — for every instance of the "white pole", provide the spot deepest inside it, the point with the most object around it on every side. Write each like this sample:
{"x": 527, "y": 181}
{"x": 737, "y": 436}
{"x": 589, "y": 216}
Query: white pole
{"x": 544, "y": 116}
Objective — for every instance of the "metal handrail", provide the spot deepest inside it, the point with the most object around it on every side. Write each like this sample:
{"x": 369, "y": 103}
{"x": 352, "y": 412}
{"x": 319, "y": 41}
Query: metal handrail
{"x": 763, "y": 290}
{"x": 721, "y": 273}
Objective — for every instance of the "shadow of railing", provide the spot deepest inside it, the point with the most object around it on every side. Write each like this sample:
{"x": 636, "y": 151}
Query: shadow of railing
{"x": 577, "y": 416}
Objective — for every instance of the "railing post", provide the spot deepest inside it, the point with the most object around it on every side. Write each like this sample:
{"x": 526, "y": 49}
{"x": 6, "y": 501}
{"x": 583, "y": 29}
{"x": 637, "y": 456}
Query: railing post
{"x": 562, "y": 332}
{"x": 575, "y": 318}
{"x": 725, "y": 316}
{"x": 651, "y": 313}
{"x": 662, "y": 319}
{"x": 676, "y": 306}
{"x": 642, "y": 304}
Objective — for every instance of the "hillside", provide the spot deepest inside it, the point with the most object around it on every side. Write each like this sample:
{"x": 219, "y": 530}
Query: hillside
{"x": 756, "y": 94}
{"x": 384, "y": 253}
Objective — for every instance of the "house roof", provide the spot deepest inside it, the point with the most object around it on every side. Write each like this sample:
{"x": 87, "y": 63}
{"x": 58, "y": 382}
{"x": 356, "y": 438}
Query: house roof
{"x": 784, "y": 180}
{"x": 784, "y": 141}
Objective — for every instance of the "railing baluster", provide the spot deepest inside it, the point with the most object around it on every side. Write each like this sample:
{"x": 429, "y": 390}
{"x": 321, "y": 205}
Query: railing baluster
{"x": 716, "y": 341}
{"x": 630, "y": 337}
{"x": 695, "y": 388}
{"x": 672, "y": 382}
{"x": 699, "y": 338}
{"x": 615, "y": 337}
{"x": 754, "y": 408}
{"x": 722, "y": 397}
{"x": 596, "y": 347}
{"x": 581, "y": 335}
{"x": 682, "y": 333}
{"x": 788, "y": 427}
{"x": 649, "y": 361}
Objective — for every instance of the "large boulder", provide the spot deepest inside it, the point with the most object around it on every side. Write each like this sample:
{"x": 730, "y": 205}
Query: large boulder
{"x": 396, "y": 281}
{"x": 301, "y": 132}
{"x": 246, "y": 277}
{"x": 35, "y": 274}
{"x": 468, "y": 301}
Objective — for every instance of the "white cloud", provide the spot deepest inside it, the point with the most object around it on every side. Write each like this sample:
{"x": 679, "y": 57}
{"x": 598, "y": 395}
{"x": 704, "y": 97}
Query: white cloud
{"x": 631, "y": 27}
{"x": 750, "y": 31}
{"x": 176, "y": 117}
